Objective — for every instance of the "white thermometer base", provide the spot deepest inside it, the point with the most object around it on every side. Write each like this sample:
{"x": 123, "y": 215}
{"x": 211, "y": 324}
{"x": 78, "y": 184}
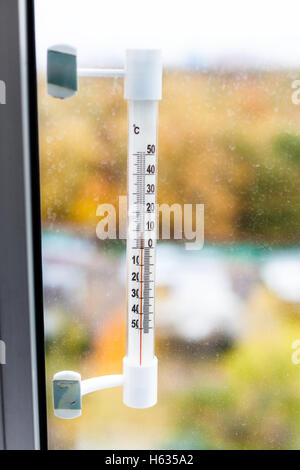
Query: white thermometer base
{"x": 140, "y": 384}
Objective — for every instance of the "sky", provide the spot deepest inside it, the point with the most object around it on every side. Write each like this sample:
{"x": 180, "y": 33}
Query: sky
{"x": 259, "y": 33}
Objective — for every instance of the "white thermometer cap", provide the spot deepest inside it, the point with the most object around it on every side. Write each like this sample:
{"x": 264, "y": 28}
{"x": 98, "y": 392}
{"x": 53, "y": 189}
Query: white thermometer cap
{"x": 143, "y": 74}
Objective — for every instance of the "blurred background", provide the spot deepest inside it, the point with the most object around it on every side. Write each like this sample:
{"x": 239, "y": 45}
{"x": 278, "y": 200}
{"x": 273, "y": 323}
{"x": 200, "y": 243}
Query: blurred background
{"x": 229, "y": 138}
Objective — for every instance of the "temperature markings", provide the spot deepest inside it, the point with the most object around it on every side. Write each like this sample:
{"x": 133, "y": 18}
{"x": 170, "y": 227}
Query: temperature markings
{"x": 146, "y": 289}
{"x": 140, "y": 180}
{"x": 141, "y": 303}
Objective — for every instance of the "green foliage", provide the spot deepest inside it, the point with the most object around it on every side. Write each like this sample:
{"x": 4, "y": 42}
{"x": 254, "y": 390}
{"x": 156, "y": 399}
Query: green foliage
{"x": 288, "y": 146}
{"x": 256, "y": 405}
{"x": 72, "y": 338}
{"x": 270, "y": 205}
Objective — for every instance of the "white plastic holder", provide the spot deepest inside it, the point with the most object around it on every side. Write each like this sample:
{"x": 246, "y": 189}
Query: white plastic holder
{"x": 139, "y": 388}
{"x": 142, "y": 82}
{"x": 68, "y": 390}
{"x": 142, "y": 73}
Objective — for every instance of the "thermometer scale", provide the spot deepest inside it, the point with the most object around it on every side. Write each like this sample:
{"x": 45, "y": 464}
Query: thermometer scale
{"x": 141, "y": 235}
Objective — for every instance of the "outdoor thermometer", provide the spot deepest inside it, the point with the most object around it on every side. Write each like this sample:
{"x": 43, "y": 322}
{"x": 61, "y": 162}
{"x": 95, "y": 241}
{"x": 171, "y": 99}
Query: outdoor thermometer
{"x": 143, "y": 89}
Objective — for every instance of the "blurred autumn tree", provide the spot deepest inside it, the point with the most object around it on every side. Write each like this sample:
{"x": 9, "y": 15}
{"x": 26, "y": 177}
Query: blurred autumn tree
{"x": 231, "y": 142}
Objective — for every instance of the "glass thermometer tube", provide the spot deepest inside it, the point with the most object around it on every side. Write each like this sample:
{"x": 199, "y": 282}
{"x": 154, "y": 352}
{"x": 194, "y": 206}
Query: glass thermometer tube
{"x": 141, "y": 235}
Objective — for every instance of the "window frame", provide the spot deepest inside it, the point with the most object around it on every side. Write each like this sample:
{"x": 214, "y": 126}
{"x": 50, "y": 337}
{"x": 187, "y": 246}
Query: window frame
{"x": 23, "y": 422}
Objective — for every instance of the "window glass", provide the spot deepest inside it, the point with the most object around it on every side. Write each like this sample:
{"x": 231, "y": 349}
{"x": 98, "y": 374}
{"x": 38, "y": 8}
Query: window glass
{"x": 227, "y": 314}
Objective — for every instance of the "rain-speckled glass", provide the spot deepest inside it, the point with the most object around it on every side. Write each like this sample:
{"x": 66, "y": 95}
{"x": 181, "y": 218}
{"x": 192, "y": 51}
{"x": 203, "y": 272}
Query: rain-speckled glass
{"x": 227, "y": 315}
